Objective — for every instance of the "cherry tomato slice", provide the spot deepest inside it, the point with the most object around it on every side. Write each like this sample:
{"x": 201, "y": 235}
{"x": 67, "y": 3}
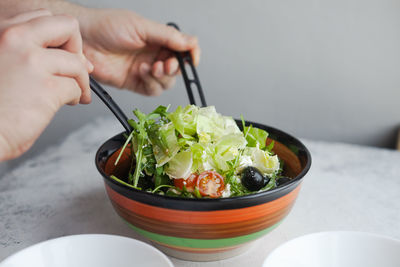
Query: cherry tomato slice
{"x": 189, "y": 182}
{"x": 210, "y": 184}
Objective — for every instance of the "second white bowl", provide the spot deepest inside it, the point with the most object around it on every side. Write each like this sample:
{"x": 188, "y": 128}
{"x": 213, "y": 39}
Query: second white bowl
{"x": 337, "y": 249}
{"x": 89, "y": 250}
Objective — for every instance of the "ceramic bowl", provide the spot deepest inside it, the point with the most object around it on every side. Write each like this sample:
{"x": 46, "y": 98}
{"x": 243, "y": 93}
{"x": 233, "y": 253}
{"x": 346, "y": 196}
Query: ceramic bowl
{"x": 206, "y": 229}
{"x": 88, "y": 250}
{"x": 337, "y": 249}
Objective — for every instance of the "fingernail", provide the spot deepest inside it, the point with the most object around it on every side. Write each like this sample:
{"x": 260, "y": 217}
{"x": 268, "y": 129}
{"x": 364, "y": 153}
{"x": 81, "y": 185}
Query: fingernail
{"x": 197, "y": 56}
{"x": 144, "y": 68}
{"x": 89, "y": 66}
{"x": 86, "y": 99}
{"x": 190, "y": 39}
{"x": 158, "y": 72}
{"x": 173, "y": 68}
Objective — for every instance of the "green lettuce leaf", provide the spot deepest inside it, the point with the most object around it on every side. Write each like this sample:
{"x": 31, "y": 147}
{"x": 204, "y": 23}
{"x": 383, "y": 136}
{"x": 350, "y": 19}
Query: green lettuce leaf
{"x": 255, "y": 137}
{"x": 212, "y": 126}
{"x": 185, "y": 120}
{"x": 262, "y": 160}
{"x": 164, "y": 141}
{"x": 180, "y": 166}
{"x": 227, "y": 149}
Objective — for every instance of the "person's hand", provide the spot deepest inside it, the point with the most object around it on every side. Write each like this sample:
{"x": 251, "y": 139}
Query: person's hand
{"x": 42, "y": 67}
{"x": 129, "y": 51}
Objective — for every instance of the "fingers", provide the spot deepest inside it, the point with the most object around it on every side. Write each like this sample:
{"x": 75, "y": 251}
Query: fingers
{"x": 24, "y": 17}
{"x": 158, "y": 72}
{"x": 158, "y": 69}
{"x": 151, "y": 85}
{"x": 62, "y": 63}
{"x": 68, "y": 90}
{"x": 195, "y": 53}
{"x": 62, "y": 32}
{"x": 167, "y": 36}
{"x": 55, "y": 43}
{"x": 171, "y": 66}
{"x": 55, "y": 31}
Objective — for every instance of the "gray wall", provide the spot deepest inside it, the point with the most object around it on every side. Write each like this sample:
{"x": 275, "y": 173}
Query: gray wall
{"x": 325, "y": 70}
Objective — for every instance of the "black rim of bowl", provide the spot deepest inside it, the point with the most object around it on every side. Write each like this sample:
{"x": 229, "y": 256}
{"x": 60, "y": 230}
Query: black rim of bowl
{"x": 207, "y": 204}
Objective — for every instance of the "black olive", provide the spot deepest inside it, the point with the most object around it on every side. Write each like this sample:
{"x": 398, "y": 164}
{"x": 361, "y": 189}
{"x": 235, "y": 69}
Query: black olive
{"x": 282, "y": 181}
{"x": 145, "y": 182}
{"x": 252, "y": 179}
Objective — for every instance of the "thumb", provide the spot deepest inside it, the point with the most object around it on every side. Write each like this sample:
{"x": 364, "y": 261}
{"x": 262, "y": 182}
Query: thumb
{"x": 167, "y": 36}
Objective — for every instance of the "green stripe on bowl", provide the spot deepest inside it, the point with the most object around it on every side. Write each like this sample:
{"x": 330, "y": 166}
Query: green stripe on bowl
{"x": 202, "y": 243}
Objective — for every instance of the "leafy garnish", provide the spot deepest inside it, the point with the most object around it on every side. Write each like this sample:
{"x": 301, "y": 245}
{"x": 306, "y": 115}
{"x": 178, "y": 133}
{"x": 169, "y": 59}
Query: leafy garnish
{"x": 270, "y": 146}
{"x": 162, "y": 186}
{"x": 141, "y": 137}
{"x": 123, "y": 148}
{"x": 160, "y": 178}
{"x": 122, "y": 182}
{"x": 173, "y": 145}
{"x": 255, "y": 137}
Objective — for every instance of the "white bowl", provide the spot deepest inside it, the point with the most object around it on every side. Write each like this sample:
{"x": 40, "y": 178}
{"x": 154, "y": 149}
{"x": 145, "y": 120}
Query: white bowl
{"x": 88, "y": 250}
{"x": 337, "y": 249}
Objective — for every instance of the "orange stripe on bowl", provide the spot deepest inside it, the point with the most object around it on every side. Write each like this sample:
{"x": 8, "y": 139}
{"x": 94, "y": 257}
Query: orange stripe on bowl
{"x": 202, "y": 231}
{"x": 203, "y": 217}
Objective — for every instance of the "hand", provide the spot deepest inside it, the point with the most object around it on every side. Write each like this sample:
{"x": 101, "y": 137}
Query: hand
{"x": 129, "y": 51}
{"x": 42, "y": 67}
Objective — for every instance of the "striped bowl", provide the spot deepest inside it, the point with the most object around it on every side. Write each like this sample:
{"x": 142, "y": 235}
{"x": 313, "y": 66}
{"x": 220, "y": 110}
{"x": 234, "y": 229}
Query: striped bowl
{"x": 205, "y": 229}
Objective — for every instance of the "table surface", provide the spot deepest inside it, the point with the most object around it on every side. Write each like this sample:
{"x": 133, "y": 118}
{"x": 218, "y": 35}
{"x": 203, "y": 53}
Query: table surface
{"x": 60, "y": 193}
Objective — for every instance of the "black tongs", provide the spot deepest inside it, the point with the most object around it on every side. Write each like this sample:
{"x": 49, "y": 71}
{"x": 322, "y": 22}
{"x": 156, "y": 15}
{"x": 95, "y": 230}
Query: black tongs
{"x": 184, "y": 57}
{"x": 110, "y": 103}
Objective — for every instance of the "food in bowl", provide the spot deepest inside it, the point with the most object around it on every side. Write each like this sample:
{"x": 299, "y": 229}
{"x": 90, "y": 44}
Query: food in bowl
{"x": 205, "y": 229}
{"x": 197, "y": 153}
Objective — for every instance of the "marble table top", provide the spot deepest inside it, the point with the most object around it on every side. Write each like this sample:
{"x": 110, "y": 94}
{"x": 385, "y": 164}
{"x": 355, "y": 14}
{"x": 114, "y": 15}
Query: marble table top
{"x": 60, "y": 192}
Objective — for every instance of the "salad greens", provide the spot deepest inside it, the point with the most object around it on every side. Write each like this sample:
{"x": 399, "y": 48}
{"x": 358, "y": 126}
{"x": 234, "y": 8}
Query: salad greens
{"x": 196, "y": 152}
